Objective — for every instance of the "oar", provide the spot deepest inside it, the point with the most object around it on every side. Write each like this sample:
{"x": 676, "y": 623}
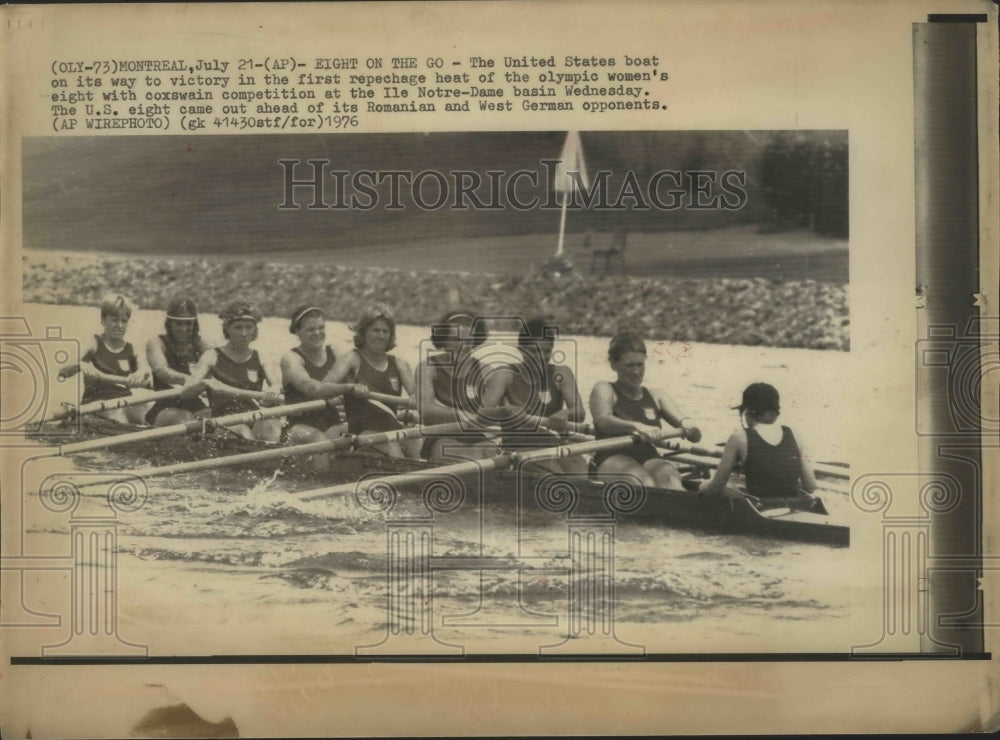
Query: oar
{"x": 597, "y": 445}
{"x": 354, "y": 442}
{"x": 402, "y": 402}
{"x": 196, "y": 425}
{"x": 540, "y": 423}
{"x": 829, "y": 471}
{"x": 474, "y": 466}
{"x": 114, "y": 381}
{"x": 111, "y": 404}
{"x": 515, "y": 422}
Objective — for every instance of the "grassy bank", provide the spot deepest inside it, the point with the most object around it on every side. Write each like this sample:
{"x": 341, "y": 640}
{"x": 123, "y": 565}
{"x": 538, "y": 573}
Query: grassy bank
{"x": 748, "y": 311}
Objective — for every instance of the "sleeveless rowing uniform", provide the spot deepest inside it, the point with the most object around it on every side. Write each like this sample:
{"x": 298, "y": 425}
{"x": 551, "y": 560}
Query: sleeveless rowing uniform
{"x": 248, "y": 376}
{"x": 122, "y": 363}
{"x": 179, "y": 359}
{"x": 362, "y": 414}
{"x": 534, "y": 394}
{"x": 772, "y": 470}
{"x": 458, "y": 392}
{"x": 643, "y": 410}
{"x": 321, "y": 419}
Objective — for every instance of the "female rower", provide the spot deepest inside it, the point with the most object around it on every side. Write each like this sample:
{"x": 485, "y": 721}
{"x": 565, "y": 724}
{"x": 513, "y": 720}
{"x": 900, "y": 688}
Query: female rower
{"x": 234, "y": 375}
{"x": 540, "y": 396}
{"x": 304, "y": 370}
{"x": 371, "y": 365}
{"x": 171, "y": 356}
{"x": 448, "y": 384}
{"x": 773, "y": 459}
{"x": 110, "y": 365}
{"x": 626, "y": 406}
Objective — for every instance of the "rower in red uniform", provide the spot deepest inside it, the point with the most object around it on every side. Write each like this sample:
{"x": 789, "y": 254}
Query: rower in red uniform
{"x": 171, "y": 356}
{"x": 234, "y": 375}
{"x": 371, "y": 365}
{"x": 110, "y": 365}
{"x": 541, "y": 396}
{"x": 449, "y": 383}
{"x": 774, "y": 460}
{"x": 626, "y": 406}
{"x": 304, "y": 371}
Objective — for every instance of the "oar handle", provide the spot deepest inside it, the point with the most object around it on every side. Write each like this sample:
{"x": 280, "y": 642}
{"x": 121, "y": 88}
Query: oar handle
{"x": 247, "y": 393}
{"x": 597, "y": 445}
{"x": 404, "y": 402}
{"x": 689, "y": 449}
{"x": 519, "y": 423}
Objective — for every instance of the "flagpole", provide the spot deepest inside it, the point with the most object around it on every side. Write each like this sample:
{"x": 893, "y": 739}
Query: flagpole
{"x": 570, "y": 160}
{"x": 562, "y": 225}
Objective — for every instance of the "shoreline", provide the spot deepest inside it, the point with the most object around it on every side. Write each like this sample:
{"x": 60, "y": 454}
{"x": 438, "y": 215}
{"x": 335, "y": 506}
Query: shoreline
{"x": 738, "y": 311}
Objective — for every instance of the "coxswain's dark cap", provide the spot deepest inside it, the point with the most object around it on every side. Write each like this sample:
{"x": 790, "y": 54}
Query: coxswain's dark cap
{"x": 182, "y": 308}
{"x": 760, "y": 397}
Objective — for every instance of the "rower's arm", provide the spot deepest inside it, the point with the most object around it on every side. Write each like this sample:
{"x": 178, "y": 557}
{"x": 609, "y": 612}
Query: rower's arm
{"x": 143, "y": 375}
{"x": 495, "y": 390}
{"x": 89, "y": 370}
{"x": 270, "y": 394}
{"x": 671, "y": 412}
{"x": 669, "y": 409}
{"x": 293, "y": 372}
{"x": 407, "y": 377}
{"x": 735, "y": 451}
{"x": 337, "y": 381}
{"x": 807, "y": 477}
{"x": 575, "y": 410}
{"x": 158, "y": 364}
{"x": 602, "y": 410}
{"x": 198, "y": 381}
{"x": 86, "y": 365}
{"x": 431, "y": 410}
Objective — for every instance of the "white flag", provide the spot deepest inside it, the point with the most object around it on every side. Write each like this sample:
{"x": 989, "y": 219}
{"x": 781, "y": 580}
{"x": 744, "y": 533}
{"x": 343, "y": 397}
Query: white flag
{"x": 572, "y": 161}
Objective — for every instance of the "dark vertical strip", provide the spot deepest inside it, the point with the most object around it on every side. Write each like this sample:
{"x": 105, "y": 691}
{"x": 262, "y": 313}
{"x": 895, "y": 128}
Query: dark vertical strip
{"x": 947, "y": 258}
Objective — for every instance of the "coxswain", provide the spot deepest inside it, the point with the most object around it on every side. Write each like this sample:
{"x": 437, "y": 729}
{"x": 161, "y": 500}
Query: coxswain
{"x": 773, "y": 458}
{"x": 626, "y": 406}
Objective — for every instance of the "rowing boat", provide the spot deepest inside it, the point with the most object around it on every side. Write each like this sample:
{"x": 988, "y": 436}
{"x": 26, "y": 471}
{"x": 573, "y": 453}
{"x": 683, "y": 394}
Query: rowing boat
{"x": 800, "y": 518}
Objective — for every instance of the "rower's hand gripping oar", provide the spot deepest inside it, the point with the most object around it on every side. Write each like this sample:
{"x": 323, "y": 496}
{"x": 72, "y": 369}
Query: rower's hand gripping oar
{"x": 264, "y": 398}
{"x": 499, "y": 462}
